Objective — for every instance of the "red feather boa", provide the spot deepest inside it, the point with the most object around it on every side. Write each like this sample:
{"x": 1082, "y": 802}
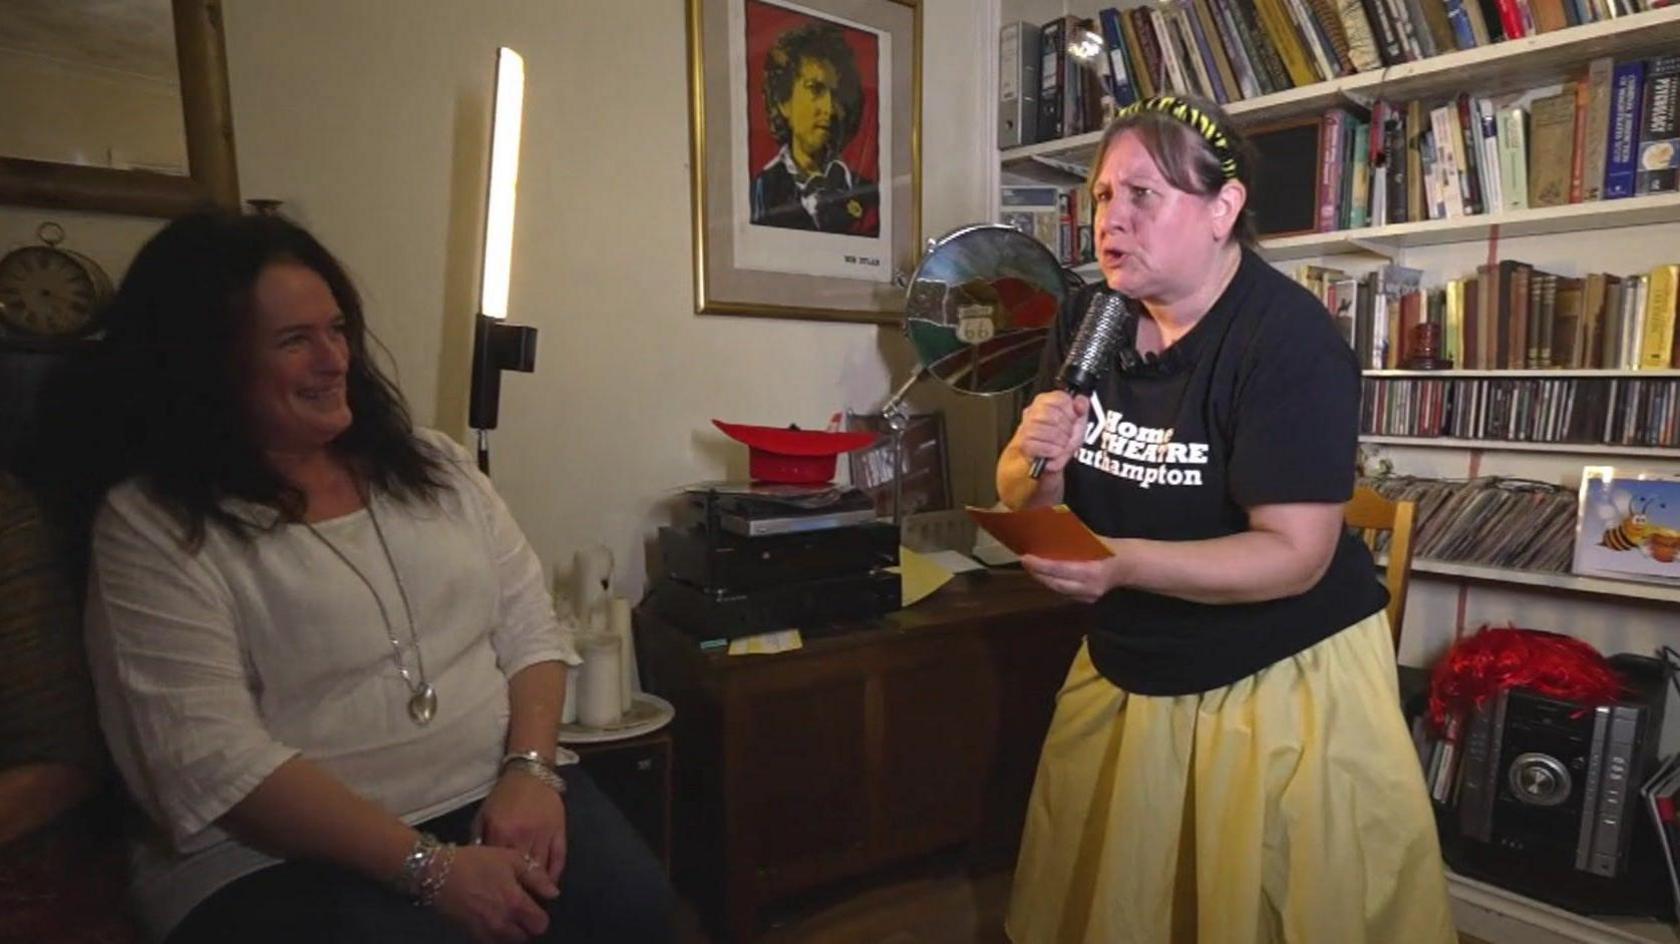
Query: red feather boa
{"x": 1478, "y": 667}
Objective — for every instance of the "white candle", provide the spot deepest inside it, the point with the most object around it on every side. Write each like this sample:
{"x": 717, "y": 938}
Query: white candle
{"x": 618, "y": 624}
{"x": 599, "y": 681}
{"x": 591, "y": 572}
{"x": 569, "y": 709}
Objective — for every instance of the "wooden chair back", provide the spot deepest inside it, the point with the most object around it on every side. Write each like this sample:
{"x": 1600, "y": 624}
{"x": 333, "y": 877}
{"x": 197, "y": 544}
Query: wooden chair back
{"x": 1369, "y": 512}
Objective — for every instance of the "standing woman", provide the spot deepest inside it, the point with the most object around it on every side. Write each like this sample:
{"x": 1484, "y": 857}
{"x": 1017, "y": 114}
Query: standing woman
{"x": 1228, "y": 762}
{"x": 326, "y": 662}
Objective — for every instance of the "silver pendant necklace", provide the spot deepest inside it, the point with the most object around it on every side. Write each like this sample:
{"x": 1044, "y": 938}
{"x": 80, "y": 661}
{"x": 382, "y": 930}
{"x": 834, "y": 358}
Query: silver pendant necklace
{"x": 422, "y": 699}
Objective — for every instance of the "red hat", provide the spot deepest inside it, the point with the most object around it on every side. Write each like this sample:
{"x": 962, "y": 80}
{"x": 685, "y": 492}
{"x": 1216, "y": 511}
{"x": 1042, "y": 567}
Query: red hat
{"x": 1477, "y": 667}
{"x": 793, "y": 456}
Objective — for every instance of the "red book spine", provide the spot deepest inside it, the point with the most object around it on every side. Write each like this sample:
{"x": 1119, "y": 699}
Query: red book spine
{"x": 1330, "y": 169}
{"x": 1511, "y": 19}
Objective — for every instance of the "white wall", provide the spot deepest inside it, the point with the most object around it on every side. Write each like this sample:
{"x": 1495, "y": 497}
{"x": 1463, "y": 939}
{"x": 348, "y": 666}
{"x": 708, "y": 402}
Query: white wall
{"x": 369, "y": 120}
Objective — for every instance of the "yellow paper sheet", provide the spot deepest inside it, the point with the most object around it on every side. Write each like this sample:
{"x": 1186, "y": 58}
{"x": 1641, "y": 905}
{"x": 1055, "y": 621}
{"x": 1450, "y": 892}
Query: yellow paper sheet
{"x": 782, "y": 640}
{"x": 1054, "y": 533}
{"x": 920, "y": 574}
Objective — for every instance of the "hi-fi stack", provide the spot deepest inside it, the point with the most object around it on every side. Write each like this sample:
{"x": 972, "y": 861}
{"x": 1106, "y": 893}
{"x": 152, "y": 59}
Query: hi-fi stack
{"x": 787, "y": 550}
{"x": 739, "y": 564}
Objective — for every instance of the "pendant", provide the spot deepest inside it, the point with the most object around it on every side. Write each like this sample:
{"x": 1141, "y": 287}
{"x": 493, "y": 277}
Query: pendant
{"x": 423, "y": 705}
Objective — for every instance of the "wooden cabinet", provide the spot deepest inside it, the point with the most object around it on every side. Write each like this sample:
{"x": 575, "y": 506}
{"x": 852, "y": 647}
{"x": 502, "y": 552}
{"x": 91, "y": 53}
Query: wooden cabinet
{"x": 892, "y": 738}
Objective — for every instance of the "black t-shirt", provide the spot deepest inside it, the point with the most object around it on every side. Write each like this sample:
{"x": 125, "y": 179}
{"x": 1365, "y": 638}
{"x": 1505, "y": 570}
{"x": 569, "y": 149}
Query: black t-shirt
{"x": 1256, "y": 405}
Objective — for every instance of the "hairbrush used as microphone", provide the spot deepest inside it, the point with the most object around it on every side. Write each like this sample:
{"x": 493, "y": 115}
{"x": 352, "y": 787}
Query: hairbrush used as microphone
{"x": 1091, "y": 354}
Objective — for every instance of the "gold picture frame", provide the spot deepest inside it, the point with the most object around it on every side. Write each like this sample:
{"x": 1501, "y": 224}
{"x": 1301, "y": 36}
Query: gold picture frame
{"x": 846, "y": 75}
{"x": 213, "y": 175}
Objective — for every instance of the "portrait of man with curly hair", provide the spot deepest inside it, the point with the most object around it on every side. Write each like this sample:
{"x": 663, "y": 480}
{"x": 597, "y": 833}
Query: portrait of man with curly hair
{"x": 814, "y": 102}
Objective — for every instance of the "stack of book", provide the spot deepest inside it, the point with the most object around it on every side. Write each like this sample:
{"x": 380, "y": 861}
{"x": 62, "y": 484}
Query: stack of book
{"x": 1608, "y": 134}
{"x": 1058, "y": 217}
{"x": 1509, "y": 316}
{"x": 1231, "y": 50}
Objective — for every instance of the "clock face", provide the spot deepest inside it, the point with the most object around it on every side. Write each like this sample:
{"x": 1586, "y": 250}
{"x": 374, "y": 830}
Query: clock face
{"x": 46, "y": 292}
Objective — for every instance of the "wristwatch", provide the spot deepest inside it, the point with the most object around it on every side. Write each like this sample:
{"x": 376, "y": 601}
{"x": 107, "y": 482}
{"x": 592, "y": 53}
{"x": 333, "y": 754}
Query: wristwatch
{"x": 531, "y": 762}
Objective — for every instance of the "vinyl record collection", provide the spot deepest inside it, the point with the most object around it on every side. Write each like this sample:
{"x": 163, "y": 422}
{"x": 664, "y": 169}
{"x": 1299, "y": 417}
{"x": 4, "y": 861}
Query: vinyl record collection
{"x": 1492, "y": 520}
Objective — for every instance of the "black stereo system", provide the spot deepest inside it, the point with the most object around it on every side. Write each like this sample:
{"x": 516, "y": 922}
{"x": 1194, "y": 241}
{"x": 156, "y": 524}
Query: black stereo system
{"x": 752, "y": 561}
{"x": 1549, "y": 802}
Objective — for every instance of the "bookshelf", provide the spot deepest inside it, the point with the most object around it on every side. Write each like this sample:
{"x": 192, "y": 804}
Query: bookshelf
{"x": 1500, "y": 67}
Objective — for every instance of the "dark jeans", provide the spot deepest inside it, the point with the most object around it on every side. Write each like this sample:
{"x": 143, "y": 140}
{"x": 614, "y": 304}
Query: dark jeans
{"x": 613, "y": 890}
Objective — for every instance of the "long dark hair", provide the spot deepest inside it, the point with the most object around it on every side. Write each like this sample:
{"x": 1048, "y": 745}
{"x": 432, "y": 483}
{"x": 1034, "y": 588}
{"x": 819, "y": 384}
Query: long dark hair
{"x": 162, "y": 398}
{"x": 822, "y": 42}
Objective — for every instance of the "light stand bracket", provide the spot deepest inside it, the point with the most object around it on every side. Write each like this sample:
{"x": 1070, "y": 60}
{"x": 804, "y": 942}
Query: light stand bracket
{"x": 497, "y": 346}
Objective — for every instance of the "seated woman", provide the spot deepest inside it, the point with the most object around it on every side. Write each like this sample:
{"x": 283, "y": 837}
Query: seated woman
{"x": 325, "y": 660}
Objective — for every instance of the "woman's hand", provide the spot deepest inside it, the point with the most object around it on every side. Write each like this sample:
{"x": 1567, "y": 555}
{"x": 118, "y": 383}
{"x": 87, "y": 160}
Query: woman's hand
{"x": 524, "y": 814}
{"x": 1052, "y": 427}
{"x": 495, "y": 894}
{"x": 1085, "y": 581}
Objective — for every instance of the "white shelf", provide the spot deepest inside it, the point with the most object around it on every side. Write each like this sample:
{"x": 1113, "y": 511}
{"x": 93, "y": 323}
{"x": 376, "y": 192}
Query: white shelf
{"x": 1502, "y": 445}
{"x": 1548, "y": 373}
{"x": 1570, "y": 583}
{"x": 1575, "y": 217}
{"x": 1389, "y": 240}
{"x": 1509, "y": 66}
{"x": 1500, "y": 916}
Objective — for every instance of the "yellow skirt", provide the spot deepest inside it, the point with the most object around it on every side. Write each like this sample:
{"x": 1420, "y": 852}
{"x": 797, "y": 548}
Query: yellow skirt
{"x": 1285, "y": 807}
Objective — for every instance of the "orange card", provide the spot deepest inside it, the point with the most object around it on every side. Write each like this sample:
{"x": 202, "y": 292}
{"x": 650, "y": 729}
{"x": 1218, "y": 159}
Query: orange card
{"x": 1051, "y": 532}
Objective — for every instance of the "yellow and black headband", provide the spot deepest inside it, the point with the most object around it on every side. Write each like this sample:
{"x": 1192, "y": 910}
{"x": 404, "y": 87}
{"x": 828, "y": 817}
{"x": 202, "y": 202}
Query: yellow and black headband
{"x": 1196, "y": 119}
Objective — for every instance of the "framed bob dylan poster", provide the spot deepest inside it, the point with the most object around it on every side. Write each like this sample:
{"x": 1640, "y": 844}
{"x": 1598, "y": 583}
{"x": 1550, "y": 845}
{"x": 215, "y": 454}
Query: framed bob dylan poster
{"x": 805, "y": 123}
{"x": 1629, "y": 525}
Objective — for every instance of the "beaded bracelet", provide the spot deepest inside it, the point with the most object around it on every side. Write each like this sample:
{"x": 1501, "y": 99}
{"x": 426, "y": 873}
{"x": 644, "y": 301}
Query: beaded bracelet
{"x": 414, "y": 864}
{"x": 437, "y": 872}
{"x": 426, "y": 868}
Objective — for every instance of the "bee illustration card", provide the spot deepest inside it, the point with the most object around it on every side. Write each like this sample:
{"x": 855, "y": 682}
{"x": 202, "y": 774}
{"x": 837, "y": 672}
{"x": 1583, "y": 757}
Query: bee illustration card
{"x": 1629, "y": 525}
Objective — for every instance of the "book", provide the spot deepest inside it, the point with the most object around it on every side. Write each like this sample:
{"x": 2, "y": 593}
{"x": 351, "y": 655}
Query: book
{"x": 1052, "y": 48}
{"x": 1330, "y": 168}
{"x": 1248, "y": 73}
{"x": 1280, "y": 29}
{"x": 1551, "y": 148}
{"x": 1656, "y": 345}
{"x": 1596, "y": 134}
{"x": 1513, "y": 157}
{"x": 1213, "y": 50}
{"x": 1627, "y": 89}
{"x": 1143, "y": 74}
{"x": 1659, "y": 131}
{"x": 1125, "y": 88}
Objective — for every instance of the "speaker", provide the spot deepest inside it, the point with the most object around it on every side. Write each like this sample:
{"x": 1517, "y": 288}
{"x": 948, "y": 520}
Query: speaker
{"x": 1548, "y": 800}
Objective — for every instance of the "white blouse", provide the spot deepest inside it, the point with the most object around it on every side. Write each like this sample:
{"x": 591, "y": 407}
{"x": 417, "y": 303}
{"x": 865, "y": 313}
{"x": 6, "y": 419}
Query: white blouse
{"x": 213, "y": 668}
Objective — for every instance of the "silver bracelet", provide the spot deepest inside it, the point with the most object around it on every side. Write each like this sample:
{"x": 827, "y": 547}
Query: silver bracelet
{"x": 530, "y": 762}
{"x": 436, "y": 873}
{"x": 414, "y": 864}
